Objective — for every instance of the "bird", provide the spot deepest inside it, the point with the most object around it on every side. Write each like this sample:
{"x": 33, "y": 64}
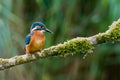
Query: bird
{"x": 35, "y": 40}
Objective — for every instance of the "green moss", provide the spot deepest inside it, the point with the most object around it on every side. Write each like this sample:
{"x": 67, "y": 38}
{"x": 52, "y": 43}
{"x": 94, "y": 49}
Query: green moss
{"x": 77, "y": 45}
{"x": 3, "y": 61}
{"x": 36, "y": 55}
{"x": 19, "y": 59}
{"x": 113, "y": 34}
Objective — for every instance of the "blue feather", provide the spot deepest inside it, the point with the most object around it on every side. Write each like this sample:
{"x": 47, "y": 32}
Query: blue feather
{"x": 36, "y": 24}
{"x": 27, "y": 40}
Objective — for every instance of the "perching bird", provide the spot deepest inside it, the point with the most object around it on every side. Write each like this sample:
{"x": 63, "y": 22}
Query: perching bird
{"x": 35, "y": 39}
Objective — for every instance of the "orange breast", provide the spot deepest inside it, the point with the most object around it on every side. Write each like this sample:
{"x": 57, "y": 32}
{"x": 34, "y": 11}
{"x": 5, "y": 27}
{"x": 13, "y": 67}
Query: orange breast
{"x": 36, "y": 43}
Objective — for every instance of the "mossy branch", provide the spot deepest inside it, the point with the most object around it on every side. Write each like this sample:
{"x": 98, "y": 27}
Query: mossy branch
{"x": 81, "y": 45}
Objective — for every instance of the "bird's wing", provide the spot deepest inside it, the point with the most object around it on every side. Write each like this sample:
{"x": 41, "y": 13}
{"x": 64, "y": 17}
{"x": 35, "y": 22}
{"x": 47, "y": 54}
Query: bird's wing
{"x": 27, "y": 40}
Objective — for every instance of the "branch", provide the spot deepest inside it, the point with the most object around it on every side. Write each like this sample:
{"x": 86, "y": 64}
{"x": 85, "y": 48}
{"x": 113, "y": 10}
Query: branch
{"x": 80, "y": 45}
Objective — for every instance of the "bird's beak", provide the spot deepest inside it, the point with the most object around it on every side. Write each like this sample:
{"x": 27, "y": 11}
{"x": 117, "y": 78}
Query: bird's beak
{"x": 47, "y": 30}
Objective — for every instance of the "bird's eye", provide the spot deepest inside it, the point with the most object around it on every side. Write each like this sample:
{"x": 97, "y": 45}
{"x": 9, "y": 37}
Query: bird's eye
{"x": 42, "y": 26}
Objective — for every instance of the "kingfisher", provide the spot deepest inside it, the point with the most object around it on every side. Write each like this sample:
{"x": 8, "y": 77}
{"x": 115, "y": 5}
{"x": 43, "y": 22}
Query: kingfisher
{"x": 35, "y": 40}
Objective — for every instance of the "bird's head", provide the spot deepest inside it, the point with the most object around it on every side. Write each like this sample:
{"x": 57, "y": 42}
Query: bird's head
{"x": 39, "y": 26}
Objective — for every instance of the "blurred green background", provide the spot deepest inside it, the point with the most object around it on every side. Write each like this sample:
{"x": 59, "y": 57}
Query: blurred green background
{"x": 67, "y": 19}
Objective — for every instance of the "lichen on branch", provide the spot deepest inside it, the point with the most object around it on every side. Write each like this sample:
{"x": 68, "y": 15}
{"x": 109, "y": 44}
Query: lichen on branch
{"x": 79, "y": 45}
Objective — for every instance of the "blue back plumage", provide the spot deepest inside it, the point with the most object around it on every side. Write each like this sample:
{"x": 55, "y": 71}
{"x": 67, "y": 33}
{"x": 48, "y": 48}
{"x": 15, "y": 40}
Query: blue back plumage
{"x": 27, "y": 40}
{"x": 36, "y": 24}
